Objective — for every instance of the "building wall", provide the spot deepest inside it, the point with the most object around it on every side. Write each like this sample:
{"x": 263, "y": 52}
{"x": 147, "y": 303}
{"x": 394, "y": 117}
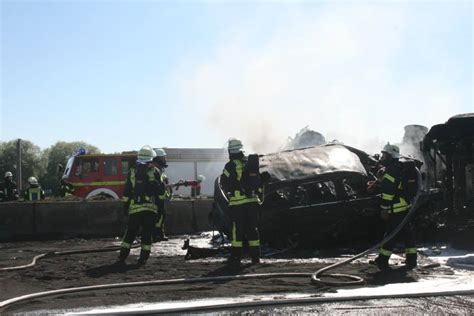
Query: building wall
{"x": 188, "y": 163}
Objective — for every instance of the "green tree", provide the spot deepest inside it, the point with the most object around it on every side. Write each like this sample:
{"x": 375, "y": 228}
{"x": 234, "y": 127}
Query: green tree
{"x": 58, "y": 154}
{"x": 32, "y": 160}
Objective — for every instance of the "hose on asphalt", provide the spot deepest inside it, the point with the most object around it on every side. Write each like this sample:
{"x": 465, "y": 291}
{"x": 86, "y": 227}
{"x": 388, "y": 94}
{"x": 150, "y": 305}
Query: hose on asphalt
{"x": 7, "y": 303}
{"x": 62, "y": 253}
{"x": 285, "y": 302}
{"x": 355, "y": 280}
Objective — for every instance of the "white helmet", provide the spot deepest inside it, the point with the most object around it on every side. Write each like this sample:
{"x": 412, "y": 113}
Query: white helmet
{"x": 160, "y": 152}
{"x": 391, "y": 150}
{"x": 32, "y": 180}
{"x": 200, "y": 178}
{"x": 8, "y": 174}
{"x": 146, "y": 154}
{"x": 235, "y": 146}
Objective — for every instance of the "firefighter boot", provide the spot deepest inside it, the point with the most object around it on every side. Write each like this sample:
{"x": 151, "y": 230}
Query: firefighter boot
{"x": 381, "y": 262}
{"x": 144, "y": 255}
{"x": 410, "y": 260}
{"x": 235, "y": 257}
{"x": 124, "y": 252}
{"x": 255, "y": 254}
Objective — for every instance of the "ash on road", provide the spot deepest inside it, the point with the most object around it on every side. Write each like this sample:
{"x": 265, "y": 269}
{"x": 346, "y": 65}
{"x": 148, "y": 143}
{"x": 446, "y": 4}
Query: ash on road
{"x": 167, "y": 262}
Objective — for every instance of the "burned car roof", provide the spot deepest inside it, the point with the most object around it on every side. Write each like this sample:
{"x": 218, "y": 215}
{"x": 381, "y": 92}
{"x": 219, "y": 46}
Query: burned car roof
{"x": 312, "y": 194}
{"x": 306, "y": 163}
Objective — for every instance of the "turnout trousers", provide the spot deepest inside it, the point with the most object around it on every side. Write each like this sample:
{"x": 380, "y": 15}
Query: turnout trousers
{"x": 146, "y": 221}
{"x": 405, "y": 235}
{"x": 244, "y": 227}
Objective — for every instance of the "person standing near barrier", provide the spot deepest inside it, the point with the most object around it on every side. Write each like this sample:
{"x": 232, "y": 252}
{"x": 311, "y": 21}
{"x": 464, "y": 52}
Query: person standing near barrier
{"x": 140, "y": 197}
{"x": 164, "y": 193}
{"x": 8, "y": 188}
{"x": 394, "y": 206}
{"x": 34, "y": 192}
{"x": 243, "y": 205}
{"x": 65, "y": 187}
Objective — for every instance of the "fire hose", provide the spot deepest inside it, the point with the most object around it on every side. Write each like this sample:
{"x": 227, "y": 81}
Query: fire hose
{"x": 315, "y": 277}
{"x": 355, "y": 280}
{"x": 62, "y": 253}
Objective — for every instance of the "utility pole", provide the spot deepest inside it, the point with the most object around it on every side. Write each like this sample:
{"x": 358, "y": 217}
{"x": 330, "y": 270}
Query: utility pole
{"x": 18, "y": 164}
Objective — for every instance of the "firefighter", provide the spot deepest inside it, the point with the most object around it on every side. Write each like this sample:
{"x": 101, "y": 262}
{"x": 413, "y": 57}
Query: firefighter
{"x": 243, "y": 206}
{"x": 140, "y": 198}
{"x": 394, "y": 207}
{"x": 65, "y": 187}
{"x": 34, "y": 192}
{"x": 8, "y": 188}
{"x": 164, "y": 193}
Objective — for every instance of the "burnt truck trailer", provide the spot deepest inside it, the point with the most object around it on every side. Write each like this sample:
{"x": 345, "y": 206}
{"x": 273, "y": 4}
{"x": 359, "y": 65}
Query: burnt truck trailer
{"x": 315, "y": 196}
{"x": 449, "y": 150}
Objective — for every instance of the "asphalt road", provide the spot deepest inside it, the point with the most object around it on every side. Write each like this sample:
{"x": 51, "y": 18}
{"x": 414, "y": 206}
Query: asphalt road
{"x": 167, "y": 262}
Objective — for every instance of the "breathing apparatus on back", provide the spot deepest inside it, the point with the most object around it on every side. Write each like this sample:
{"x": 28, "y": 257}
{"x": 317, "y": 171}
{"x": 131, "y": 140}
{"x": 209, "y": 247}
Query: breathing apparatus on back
{"x": 250, "y": 180}
{"x": 143, "y": 187}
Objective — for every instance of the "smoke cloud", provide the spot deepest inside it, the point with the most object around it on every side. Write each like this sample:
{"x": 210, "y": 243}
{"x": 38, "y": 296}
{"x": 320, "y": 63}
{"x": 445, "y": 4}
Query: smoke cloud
{"x": 341, "y": 70}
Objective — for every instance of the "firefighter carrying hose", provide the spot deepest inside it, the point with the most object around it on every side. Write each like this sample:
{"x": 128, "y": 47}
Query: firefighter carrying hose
{"x": 394, "y": 204}
{"x": 164, "y": 193}
{"x": 243, "y": 204}
{"x": 140, "y": 197}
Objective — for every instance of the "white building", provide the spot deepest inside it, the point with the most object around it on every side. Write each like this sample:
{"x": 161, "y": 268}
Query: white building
{"x": 188, "y": 163}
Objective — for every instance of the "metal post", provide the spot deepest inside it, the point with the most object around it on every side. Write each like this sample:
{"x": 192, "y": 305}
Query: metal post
{"x": 193, "y": 190}
{"x": 450, "y": 185}
{"x": 18, "y": 165}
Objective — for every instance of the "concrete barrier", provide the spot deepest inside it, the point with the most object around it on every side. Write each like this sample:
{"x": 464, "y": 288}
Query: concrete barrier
{"x": 63, "y": 219}
{"x": 16, "y": 219}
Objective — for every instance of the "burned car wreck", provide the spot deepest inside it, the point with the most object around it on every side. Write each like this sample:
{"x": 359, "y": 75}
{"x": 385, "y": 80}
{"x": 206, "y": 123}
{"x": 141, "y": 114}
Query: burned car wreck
{"x": 314, "y": 196}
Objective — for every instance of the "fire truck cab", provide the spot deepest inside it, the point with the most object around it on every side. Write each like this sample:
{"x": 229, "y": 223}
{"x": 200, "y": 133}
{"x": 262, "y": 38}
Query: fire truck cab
{"x": 98, "y": 174}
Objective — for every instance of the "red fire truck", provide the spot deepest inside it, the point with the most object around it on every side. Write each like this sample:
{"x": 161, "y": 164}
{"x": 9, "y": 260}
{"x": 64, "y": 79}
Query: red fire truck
{"x": 98, "y": 174}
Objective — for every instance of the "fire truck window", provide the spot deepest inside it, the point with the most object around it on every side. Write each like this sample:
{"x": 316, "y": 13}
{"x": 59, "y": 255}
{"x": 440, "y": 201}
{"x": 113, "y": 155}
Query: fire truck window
{"x": 110, "y": 167}
{"x": 125, "y": 166}
{"x": 90, "y": 166}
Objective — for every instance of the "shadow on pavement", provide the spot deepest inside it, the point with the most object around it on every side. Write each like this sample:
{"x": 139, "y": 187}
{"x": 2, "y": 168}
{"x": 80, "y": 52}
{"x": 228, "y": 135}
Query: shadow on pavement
{"x": 100, "y": 271}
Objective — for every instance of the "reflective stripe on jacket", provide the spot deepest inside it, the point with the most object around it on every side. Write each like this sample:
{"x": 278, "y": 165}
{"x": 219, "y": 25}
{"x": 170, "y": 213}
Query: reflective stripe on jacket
{"x": 34, "y": 194}
{"x": 148, "y": 205}
{"x": 231, "y": 181}
{"x": 391, "y": 187}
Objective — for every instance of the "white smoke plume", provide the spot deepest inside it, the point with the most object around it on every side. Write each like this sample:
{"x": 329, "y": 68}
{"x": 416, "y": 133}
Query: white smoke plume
{"x": 334, "y": 70}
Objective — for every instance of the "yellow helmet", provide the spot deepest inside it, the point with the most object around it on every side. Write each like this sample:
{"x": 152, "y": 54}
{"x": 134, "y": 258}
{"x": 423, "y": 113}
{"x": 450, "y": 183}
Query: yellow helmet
{"x": 391, "y": 150}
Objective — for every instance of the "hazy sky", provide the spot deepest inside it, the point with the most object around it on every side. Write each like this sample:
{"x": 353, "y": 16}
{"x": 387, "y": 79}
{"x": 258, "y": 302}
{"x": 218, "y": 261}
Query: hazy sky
{"x": 122, "y": 74}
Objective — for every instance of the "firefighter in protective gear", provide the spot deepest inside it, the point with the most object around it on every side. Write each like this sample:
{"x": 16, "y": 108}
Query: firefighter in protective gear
{"x": 65, "y": 187}
{"x": 140, "y": 197}
{"x": 34, "y": 192}
{"x": 243, "y": 206}
{"x": 394, "y": 207}
{"x": 164, "y": 193}
{"x": 8, "y": 188}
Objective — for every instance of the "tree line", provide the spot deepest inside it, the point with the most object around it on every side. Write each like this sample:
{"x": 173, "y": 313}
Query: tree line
{"x": 38, "y": 163}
